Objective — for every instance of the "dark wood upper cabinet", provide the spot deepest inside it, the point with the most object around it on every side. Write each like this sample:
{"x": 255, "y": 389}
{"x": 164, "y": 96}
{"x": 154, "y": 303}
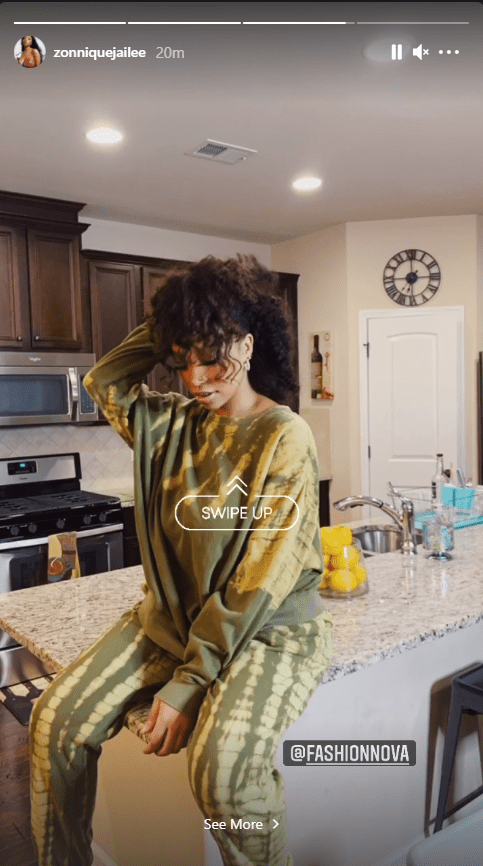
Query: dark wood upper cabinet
{"x": 152, "y": 280}
{"x": 161, "y": 379}
{"x": 55, "y": 291}
{"x": 14, "y": 297}
{"x": 121, "y": 287}
{"x": 42, "y": 304}
{"x": 115, "y": 296}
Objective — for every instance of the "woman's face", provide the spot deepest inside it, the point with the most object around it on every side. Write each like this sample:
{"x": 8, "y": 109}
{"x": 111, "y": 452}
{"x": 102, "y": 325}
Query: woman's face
{"x": 209, "y": 382}
{"x": 26, "y": 41}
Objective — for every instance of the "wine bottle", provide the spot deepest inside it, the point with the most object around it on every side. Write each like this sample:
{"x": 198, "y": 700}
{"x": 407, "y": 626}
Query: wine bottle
{"x": 438, "y": 481}
{"x": 316, "y": 370}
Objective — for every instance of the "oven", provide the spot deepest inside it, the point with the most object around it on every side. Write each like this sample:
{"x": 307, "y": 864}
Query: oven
{"x": 41, "y": 496}
{"x": 24, "y": 563}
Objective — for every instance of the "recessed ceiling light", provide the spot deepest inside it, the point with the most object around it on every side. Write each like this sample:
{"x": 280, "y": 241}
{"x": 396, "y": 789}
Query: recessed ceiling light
{"x": 307, "y": 183}
{"x": 104, "y": 135}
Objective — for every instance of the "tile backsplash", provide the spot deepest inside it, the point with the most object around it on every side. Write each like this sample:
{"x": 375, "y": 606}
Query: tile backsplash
{"x": 106, "y": 461}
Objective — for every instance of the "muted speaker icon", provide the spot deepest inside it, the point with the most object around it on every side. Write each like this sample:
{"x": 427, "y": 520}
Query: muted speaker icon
{"x": 418, "y": 52}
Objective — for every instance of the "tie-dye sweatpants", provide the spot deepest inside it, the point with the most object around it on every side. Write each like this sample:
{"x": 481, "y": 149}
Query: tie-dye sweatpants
{"x": 231, "y": 752}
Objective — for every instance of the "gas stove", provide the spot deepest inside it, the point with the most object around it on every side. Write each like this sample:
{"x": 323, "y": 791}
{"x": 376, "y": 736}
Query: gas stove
{"x": 41, "y": 496}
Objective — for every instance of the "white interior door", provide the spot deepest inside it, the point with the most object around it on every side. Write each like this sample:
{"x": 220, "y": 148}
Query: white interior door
{"x": 414, "y": 396}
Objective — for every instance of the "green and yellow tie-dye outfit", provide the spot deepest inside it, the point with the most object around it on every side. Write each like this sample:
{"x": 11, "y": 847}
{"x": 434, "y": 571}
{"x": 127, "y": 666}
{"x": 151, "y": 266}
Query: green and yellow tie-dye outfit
{"x": 231, "y": 631}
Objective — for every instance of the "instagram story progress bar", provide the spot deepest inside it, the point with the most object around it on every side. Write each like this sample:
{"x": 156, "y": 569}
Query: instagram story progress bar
{"x": 395, "y": 47}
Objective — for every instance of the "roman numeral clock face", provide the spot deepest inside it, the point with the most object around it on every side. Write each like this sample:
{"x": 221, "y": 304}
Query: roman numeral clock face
{"x": 412, "y": 277}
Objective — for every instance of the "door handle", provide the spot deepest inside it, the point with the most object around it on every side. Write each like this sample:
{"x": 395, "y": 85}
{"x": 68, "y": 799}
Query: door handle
{"x": 74, "y": 393}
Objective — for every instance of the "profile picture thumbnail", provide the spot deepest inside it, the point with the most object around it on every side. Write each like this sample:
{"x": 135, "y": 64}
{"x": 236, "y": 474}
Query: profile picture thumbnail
{"x": 29, "y": 52}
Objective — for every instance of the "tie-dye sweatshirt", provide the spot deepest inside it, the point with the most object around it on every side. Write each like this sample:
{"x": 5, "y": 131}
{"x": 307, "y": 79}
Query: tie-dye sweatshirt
{"x": 227, "y": 516}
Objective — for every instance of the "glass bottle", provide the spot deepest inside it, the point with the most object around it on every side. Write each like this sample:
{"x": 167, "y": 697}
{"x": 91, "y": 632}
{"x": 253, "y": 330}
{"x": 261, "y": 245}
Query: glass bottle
{"x": 316, "y": 370}
{"x": 438, "y": 481}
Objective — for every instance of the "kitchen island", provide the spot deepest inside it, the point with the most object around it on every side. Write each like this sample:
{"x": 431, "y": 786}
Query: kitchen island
{"x": 397, "y": 649}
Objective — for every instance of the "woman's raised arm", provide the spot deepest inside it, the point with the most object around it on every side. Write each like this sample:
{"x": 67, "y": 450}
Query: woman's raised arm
{"x": 115, "y": 382}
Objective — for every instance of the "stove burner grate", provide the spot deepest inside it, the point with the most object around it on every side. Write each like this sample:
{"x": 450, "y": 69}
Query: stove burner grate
{"x": 20, "y": 507}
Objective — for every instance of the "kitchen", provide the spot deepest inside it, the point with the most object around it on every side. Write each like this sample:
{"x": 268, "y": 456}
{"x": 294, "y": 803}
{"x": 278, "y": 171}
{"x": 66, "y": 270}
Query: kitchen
{"x": 147, "y": 202}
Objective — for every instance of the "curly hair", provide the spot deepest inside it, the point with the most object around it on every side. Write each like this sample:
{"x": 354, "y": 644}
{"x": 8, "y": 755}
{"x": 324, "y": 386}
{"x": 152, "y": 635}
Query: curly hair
{"x": 215, "y": 302}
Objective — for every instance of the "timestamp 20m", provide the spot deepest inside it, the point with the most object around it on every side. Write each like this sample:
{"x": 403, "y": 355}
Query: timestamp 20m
{"x": 169, "y": 53}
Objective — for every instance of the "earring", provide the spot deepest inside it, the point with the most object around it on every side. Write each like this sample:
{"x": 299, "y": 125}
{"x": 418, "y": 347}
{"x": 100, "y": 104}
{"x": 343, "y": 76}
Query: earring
{"x": 247, "y": 364}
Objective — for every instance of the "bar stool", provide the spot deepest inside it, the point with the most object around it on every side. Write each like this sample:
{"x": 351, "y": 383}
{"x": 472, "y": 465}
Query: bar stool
{"x": 466, "y": 697}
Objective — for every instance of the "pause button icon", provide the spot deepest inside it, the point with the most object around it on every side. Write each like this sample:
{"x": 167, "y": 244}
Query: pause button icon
{"x": 396, "y": 52}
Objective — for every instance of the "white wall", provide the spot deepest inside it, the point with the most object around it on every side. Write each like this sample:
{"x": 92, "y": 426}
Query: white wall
{"x": 163, "y": 243}
{"x": 320, "y": 259}
{"x": 341, "y": 272}
{"x": 453, "y": 243}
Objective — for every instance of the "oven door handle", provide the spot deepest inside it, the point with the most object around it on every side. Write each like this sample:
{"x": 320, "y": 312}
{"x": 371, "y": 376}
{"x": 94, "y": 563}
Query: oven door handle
{"x": 84, "y": 533}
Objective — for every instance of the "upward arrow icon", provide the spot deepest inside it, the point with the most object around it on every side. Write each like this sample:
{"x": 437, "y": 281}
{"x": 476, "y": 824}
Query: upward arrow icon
{"x": 231, "y": 485}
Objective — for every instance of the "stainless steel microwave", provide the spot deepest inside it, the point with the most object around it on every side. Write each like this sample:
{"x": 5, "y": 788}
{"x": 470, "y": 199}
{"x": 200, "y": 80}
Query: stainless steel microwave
{"x": 45, "y": 388}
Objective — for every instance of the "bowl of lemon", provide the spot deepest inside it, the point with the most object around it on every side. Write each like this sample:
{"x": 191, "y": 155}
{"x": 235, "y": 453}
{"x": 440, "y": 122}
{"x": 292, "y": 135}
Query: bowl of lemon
{"x": 345, "y": 574}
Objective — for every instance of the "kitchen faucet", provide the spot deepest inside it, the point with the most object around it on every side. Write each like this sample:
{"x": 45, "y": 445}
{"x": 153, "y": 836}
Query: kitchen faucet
{"x": 404, "y": 518}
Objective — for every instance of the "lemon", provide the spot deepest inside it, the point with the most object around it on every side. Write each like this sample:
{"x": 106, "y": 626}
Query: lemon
{"x": 339, "y": 561}
{"x": 347, "y": 558}
{"x": 359, "y": 573}
{"x": 329, "y": 540}
{"x": 326, "y": 559}
{"x": 343, "y": 535}
{"x": 332, "y": 549}
{"x": 343, "y": 580}
{"x": 333, "y": 538}
{"x": 326, "y": 533}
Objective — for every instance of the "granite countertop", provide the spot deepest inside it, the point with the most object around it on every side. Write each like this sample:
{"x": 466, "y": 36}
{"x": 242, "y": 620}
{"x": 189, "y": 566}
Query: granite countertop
{"x": 410, "y": 600}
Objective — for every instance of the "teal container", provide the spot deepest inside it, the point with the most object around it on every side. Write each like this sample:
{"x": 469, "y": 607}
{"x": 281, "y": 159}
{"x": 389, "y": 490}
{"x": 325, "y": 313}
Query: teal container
{"x": 459, "y": 497}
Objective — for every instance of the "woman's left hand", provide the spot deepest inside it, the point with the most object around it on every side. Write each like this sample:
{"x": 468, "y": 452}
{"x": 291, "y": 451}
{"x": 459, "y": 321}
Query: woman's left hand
{"x": 169, "y": 729}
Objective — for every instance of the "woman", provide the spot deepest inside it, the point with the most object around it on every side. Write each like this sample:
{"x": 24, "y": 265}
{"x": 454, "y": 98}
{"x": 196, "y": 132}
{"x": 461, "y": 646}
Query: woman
{"x": 231, "y": 637}
{"x": 30, "y": 55}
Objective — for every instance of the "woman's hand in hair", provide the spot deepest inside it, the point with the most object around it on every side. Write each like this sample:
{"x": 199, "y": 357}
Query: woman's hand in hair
{"x": 168, "y": 729}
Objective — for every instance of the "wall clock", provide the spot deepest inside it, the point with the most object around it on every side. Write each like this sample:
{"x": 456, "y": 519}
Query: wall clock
{"x": 412, "y": 277}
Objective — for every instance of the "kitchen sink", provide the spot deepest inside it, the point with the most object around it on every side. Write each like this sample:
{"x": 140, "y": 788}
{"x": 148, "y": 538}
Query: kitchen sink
{"x": 382, "y": 539}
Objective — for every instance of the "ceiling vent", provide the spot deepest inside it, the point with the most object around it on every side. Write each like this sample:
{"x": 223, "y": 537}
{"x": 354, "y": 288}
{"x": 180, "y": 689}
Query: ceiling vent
{"x": 219, "y": 151}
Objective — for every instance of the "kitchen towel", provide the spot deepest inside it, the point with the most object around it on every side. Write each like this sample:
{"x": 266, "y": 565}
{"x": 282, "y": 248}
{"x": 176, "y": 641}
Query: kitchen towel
{"x": 20, "y": 698}
{"x": 63, "y": 557}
